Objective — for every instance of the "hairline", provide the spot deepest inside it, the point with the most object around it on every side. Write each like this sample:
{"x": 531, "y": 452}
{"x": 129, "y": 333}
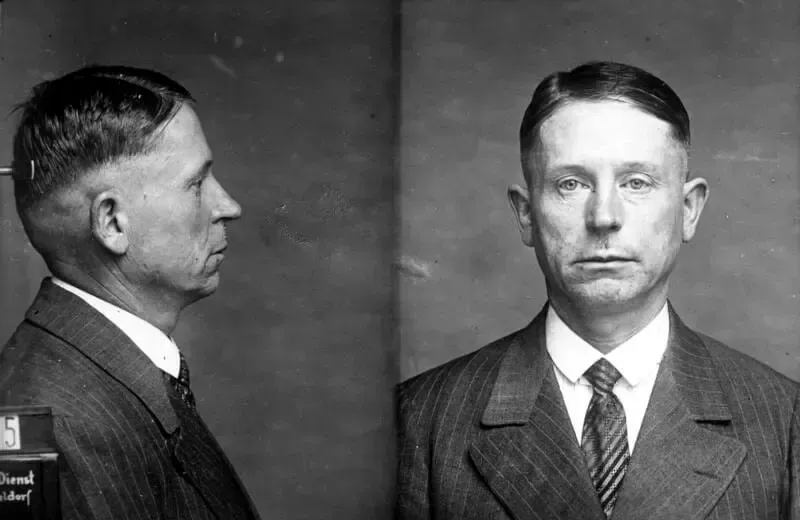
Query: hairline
{"x": 151, "y": 143}
{"x": 172, "y": 95}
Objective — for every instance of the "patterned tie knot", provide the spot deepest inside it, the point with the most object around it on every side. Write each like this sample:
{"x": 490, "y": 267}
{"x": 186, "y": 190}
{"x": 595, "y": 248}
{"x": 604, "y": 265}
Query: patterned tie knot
{"x": 182, "y": 384}
{"x": 602, "y": 376}
{"x": 183, "y": 372}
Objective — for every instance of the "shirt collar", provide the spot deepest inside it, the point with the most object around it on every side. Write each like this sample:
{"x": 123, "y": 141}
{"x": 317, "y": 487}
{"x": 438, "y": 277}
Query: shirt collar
{"x": 635, "y": 358}
{"x": 156, "y": 345}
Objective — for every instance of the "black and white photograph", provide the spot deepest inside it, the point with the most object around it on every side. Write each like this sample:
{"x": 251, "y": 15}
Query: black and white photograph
{"x": 399, "y": 259}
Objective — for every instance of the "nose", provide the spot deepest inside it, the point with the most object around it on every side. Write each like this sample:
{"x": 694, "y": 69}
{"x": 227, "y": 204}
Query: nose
{"x": 604, "y": 210}
{"x": 225, "y": 208}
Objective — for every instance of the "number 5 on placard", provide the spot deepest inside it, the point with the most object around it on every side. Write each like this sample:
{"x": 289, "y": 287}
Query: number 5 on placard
{"x": 9, "y": 432}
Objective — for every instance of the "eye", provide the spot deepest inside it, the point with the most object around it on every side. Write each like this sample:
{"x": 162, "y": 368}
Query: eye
{"x": 638, "y": 184}
{"x": 569, "y": 185}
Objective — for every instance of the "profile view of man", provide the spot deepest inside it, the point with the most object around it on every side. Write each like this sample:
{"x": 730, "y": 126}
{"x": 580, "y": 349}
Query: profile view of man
{"x": 113, "y": 183}
{"x": 606, "y": 405}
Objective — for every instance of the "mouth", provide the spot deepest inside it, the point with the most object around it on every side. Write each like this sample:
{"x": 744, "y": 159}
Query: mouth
{"x": 221, "y": 250}
{"x": 604, "y": 260}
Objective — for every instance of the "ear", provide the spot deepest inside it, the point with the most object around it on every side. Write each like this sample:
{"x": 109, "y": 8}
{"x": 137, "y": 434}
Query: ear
{"x": 110, "y": 222}
{"x": 519, "y": 199}
{"x": 695, "y": 195}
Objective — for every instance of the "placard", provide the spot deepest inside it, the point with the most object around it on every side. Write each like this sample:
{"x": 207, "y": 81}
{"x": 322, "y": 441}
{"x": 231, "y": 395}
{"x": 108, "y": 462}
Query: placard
{"x": 29, "y": 488}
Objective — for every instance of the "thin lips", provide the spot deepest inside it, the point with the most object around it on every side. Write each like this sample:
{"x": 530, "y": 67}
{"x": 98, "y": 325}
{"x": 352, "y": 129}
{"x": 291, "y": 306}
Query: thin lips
{"x": 608, "y": 258}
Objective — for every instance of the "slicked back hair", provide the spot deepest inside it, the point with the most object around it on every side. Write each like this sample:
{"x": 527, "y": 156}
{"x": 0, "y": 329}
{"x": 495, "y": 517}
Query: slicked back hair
{"x": 86, "y": 119}
{"x": 601, "y": 81}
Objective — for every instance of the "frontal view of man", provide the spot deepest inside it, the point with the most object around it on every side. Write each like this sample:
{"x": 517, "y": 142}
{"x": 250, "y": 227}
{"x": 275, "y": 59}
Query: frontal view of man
{"x": 114, "y": 186}
{"x": 606, "y": 405}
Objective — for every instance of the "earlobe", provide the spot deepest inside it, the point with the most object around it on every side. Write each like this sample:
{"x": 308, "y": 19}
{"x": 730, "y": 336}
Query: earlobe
{"x": 695, "y": 195}
{"x": 519, "y": 200}
{"x": 109, "y": 222}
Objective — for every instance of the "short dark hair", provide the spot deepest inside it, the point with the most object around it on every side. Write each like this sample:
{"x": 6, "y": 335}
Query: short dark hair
{"x": 601, "y": 81}
{"x": 85, "y": 119}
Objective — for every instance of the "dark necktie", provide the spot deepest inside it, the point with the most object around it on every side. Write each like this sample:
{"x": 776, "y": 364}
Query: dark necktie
{"x": 182, "y": 384}
{"x": 605, "y": 435}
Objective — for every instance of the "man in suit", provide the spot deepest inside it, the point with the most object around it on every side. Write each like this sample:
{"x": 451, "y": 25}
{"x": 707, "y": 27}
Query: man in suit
{"x": 606, "y": 405}
{"x": 114, "y": 186}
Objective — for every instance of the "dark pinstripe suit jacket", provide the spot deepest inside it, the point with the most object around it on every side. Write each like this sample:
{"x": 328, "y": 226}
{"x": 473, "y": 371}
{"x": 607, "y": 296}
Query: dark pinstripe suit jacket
{"x": 487, "y": 435}
{"x": 128, "y": 450}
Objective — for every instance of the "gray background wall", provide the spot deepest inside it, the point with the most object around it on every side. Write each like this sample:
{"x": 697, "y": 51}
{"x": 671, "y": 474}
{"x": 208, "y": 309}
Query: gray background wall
{"x": 291, "y": 359}
{"x": 468, "y": 71}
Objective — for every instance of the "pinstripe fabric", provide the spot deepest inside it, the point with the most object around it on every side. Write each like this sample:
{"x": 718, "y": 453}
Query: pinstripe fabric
{"x": 121, "y": 435}
{"x": 605, "y": 434}
{"x": 487, "y": 436}
{"x": 198, "y": 456}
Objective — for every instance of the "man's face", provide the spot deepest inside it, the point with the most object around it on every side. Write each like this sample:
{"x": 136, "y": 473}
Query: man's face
{"x": 176, "y": 215}
{"x": 607, "y": 208}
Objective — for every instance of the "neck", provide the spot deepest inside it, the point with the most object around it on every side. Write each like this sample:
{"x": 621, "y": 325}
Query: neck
{"x": 606, "y": 330}
{"x": 114, "y": 289}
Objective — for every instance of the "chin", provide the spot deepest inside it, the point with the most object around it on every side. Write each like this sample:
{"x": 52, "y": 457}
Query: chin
{"x": 604, "y": 293}
{"x": 212, "y": 284}
{"x": 207, "y": 287}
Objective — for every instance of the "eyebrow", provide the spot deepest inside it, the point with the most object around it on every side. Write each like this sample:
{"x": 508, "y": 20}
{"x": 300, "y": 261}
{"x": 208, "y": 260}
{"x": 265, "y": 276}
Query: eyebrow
{"x": 638, "y": 166}
{"x": 624, "y": 167}
{"x": 566, "y": 168}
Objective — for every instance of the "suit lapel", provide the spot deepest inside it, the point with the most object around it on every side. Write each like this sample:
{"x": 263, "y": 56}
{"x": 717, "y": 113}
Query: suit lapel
{"x": 77, "y": 323}
{"x": 74, "y": 321}
{"x": 680, "y": 468}
{"x": 526, "y": 450}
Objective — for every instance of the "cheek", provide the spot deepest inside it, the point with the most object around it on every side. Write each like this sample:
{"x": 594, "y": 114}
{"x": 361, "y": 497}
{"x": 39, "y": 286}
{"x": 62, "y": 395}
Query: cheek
{"x": 147, "y": 228}
{"x": 558, "y": 237}
{"x": 168, "y": 227}
{"x": 198, "y": 225}
{"x": 197, "y": 217}
{"x": 560, "y": 224}
{"x": 659, "y": 230}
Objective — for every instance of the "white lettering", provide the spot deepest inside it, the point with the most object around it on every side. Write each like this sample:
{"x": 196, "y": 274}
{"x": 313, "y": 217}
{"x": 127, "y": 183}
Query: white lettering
{"x": 11, "y": 496}
{"x": 7, "y": 479}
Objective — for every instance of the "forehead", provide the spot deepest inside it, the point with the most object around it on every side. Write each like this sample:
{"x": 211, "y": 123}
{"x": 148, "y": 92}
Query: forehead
{"x": 583, "y": 132}
{"x": 183, "y": 134}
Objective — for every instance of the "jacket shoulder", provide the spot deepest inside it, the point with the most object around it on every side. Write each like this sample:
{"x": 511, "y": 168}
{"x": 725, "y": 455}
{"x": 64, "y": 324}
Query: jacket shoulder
{"x": 751, "y": 377}
{"x": 464, "y": 379}
{"x": 39, "y": 368}
{"x": 729, "y": 358}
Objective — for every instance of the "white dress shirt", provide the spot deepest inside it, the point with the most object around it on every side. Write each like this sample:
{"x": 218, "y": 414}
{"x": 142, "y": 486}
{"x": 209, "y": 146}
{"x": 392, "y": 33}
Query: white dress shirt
{"x": 637, "y": 360}
{"x": 156, "y": 345}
